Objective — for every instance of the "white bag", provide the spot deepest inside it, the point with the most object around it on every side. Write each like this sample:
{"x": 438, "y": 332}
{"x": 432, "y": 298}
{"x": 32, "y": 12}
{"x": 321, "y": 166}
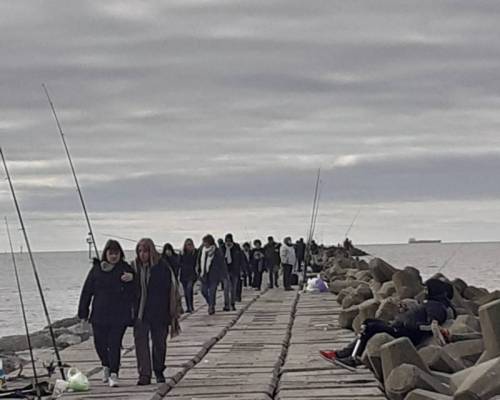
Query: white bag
{"x": 77, "y": 381}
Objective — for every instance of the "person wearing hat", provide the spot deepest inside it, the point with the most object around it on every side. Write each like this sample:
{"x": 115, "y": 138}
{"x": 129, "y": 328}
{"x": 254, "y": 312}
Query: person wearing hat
{"x": 415, "y": 324}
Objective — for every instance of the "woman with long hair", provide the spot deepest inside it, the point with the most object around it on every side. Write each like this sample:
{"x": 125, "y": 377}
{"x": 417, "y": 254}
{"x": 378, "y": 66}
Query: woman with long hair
{"x": 156, "y": 311}
{"x": 188, "y": 275}
{"x": 110, "y": 288}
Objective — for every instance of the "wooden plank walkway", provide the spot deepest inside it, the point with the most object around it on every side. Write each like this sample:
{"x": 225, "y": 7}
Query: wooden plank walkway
{"x": 268, "y": 349}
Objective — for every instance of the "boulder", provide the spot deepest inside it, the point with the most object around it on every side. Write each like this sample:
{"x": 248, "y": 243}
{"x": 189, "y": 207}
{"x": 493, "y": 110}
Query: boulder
{"x": 346, "y": 317}
{"x": 337, "y": 285}
{"x": 352, "y": 300}
{"x": 388, "y": 289}
{"x": 364, "y": 276}
{"x": 65, "y": 323}
{"x": 488, "y": 298}
{"x": 400, "y": 351}
{"x": 344, "y": 293}
{"x": 406, "y": 377}
{"x": 371, "y": 355}
{"x": 481, "y": 383}
{"x": 421, "y": 394}
{"x": 381, "y": 271}
{"x": 367, "y": 309}
{"x": 474, "y": 293}
{"x": 459, "y": 285}
{"x": 362, "y": 265}
{"x": 67, "y": 340}
{"x": 439, "y": 360}
{"x": 489, "y": 315}
{"x": 467, "y": 351}
{"x": 388, "y": 309}
{"x": 408, "y": 283}
{"x": 465, "y": 324}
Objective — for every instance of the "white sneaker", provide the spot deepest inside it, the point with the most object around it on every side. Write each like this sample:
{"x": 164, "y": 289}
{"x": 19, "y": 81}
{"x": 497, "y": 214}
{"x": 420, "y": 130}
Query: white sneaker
{"x": 105, "y": 374}
{"x": 113, "y": 380}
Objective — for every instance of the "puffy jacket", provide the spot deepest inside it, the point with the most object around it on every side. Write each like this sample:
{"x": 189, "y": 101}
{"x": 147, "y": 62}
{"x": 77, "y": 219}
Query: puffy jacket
{"x": 287, "y": 255}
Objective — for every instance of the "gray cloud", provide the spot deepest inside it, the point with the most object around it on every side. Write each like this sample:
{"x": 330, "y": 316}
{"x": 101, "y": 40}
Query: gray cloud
{"x": 202, "y": 105}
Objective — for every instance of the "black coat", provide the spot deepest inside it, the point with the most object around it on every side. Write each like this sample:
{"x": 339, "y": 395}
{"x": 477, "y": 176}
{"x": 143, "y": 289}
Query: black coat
{"x": 258, "y": 262}
{"x": 112, "y": 300}
{"x": 188, "y": 267}
{"x": 217, "y": 271}
{"x": 157, "y": 306}
{"x": 236, "y": 259}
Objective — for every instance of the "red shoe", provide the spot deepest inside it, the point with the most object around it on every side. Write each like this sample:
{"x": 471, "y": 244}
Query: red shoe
{"x": 328, "y": 355}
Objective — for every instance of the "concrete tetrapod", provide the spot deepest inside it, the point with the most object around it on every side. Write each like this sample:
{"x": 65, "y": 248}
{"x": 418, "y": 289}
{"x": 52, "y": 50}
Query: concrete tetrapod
{"x": 489, "y": 315}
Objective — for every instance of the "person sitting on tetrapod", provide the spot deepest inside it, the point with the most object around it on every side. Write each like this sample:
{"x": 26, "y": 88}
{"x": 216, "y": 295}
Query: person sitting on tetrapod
{"x": 417, "y": 324}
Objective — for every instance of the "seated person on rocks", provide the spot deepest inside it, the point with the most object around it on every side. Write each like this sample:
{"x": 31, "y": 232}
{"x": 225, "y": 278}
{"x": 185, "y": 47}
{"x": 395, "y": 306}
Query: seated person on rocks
{"x": 415, "y": 324}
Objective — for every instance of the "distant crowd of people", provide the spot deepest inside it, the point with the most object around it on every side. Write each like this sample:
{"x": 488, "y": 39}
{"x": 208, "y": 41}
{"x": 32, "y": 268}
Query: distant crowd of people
{"x": 145, "y": 295}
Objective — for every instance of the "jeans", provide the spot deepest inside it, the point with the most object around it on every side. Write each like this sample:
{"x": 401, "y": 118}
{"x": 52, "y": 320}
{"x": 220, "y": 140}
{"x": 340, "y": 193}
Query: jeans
{"x": 209, "y": 291}
{"x": 287, "y": 276}
{"x": 231, "y": 289}
{"x": 273, "y": 276}
{"x": 188, "y": 295}
{"x": 158, "y": 332}
{"x": 108, "y": 345}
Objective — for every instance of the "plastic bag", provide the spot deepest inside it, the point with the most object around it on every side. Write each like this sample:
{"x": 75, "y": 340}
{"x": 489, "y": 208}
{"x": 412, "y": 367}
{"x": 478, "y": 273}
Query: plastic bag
{"x": 321, "y": 285}
{"x": 77, "y": 381}
{"x": 59, "y": 388}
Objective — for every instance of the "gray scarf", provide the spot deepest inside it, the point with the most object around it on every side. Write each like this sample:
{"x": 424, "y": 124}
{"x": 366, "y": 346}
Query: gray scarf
{"x": 106, "y": 266}
{"x": 229, "y": 259}
{"x": 144, "y": 275}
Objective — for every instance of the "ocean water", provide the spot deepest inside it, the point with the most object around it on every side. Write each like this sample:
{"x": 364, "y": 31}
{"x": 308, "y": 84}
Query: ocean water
{"x": 63, "y": 273}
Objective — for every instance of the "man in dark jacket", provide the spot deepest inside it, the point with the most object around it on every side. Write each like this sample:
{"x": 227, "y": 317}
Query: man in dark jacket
{"x": 414, "y": 324}
{"x": 233, "y": 257}
{"x": 300, "y": 251}
{"x": 272, "y": 261}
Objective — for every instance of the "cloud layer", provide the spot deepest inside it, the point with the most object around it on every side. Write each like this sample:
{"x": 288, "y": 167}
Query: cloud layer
{"x": 212, "y": 115}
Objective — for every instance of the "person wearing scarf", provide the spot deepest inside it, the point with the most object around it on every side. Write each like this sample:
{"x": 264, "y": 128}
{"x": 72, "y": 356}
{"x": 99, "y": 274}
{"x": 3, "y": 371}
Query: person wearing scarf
{"x": 111, "y": 289}
{"x": 211, "y": 269}
{"x": 246, "y": 268}
{"x": 188, "y": 275}
{"x": 157, "y": 311}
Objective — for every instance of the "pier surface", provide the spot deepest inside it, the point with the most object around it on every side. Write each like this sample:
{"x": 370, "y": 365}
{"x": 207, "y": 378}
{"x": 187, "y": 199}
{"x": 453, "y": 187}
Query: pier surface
{"x": 268, "y": 349}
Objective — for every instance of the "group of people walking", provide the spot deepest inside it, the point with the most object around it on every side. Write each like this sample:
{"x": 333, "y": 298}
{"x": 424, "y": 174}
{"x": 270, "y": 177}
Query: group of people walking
{"x": 144, "y": 294}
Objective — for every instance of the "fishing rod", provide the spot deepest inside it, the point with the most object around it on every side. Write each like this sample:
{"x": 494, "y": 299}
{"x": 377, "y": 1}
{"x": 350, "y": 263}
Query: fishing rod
{"x": 317, "y": 209}
{"x": 33, "y": 265}
{"x": 352, "y": 223}
{"x": 72, "y": 167}
{"x": 127, "y": 239}
{"x": 23, "y": 311}
{"x": 450, "y": 258}
{"x": 308, "y": 244}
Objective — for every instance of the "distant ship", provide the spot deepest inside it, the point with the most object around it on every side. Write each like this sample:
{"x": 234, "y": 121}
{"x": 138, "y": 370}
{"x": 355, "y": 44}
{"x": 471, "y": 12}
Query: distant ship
{"x": 413, "y": 241}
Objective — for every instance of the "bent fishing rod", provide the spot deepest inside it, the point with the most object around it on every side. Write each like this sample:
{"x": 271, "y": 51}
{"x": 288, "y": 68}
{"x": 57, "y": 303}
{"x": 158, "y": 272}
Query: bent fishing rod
{"x": 72, "y": 167}
{"x": 309, "y": 238}
{"x": 352, "y": 223}
{"x": 33, "y": 265}
{"x": 23, "y": 311}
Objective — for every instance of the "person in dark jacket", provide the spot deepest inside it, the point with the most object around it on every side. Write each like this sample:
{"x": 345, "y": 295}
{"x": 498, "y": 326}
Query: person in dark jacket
{"x": 246, "y": 268}
{"x": 258, "y": 264}
{"x": 188, "y": 274}
{"x": 212, "y": 270}
{"x": 415, "y": 324}
{"x": 272, "y": 252}
{"x": 110, "y": 288}
{"x": 172, "y": 258}
{"x": 155, "y": 310}
{"x": 300, "y": 251}
{"x": 232, "y": 255}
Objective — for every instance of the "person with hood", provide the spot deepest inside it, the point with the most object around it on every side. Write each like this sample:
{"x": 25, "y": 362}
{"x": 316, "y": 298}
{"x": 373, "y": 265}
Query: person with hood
{"x": 111, "y": 290}
{"x": 188, "y": 275}
{"x": 246, "y": 268}
{"x": 288, "y": 261}
{"x": 258, "y": 264}
{"x": 212, "y": 269}
{"x": 272, "y": 252}
{"x": 157, "y": 310}
{"x": 172, "y": 258}
{"x": 232, "y": 255}
{"x": 417, "y": 323}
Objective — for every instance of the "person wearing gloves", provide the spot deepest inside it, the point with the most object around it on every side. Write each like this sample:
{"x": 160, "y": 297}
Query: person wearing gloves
{"x": 111, "y": 290}
{"x": 416, "y": 324}
{"x": 288, "y": 261}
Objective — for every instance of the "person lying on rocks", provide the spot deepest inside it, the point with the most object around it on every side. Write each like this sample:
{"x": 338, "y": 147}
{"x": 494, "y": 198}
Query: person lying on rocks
{"x": 417, "y": 324}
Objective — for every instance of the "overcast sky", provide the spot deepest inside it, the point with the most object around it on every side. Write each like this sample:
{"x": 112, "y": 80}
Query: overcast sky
{"x": 188, "y": 116}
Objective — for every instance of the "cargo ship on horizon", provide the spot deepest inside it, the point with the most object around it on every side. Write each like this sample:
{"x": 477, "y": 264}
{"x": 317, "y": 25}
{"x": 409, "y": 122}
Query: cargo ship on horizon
{"x": 415, "y": 241}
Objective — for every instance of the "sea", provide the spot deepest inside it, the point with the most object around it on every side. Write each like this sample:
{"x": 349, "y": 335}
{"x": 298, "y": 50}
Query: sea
{"x": 62, "y": 275}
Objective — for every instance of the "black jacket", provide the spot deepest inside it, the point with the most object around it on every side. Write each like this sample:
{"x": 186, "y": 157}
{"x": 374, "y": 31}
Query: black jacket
{"x": 421, "y": 315}
{"x": 272, "y": 252}
{"x": 188, "y": 266}
{"x": 258, "y": 262}
{"x": 236, "y": 259}
{"x": 217, "y": 270}
{"x": 112, "y": 300}
{"x": 157, "y": 306}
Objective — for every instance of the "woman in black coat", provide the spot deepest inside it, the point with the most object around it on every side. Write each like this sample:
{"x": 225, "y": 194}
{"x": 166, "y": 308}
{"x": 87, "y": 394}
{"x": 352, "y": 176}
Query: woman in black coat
{"x": 110, "y": 288}
{"x": 188, "y": 275}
